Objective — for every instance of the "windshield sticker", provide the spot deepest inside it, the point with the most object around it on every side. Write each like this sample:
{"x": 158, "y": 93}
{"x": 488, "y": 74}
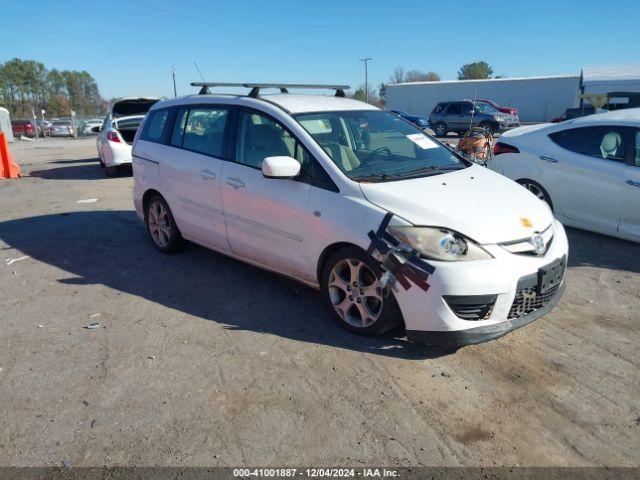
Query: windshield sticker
{"x": 422, "y": 141}
{"x": 399, "y": 264}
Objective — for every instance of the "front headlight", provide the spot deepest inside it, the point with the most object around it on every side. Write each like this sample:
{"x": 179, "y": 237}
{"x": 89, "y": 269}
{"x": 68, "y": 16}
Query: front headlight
{"x": 440, "y": 244}
{"x": 498, "y": 118}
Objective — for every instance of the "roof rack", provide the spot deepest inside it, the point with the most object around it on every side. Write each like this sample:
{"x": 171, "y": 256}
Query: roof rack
{"x": 255, "y": 87}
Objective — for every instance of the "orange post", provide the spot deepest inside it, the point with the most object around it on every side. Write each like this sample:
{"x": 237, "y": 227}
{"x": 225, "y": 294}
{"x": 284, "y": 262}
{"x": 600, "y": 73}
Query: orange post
{"x": 8, "y": 168}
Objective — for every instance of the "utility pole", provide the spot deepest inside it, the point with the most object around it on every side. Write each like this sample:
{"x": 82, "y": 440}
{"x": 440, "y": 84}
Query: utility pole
{"x": 173, "y": 73}
{"x": 366, "y": 76}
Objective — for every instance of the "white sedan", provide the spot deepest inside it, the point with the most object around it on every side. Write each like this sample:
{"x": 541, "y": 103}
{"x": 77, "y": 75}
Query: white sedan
{"x": 586, "y": 169}
{"x": 118, "y": 131}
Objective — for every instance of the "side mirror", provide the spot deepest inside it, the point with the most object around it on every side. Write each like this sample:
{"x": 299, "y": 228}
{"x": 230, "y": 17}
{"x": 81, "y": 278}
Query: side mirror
{"x": 472, "y": 112}
{"x": 280, "y": 167}
{"x": 96, "y": 129}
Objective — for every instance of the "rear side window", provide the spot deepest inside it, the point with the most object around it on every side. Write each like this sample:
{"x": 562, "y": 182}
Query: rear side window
{"x": 606, "y": 142}
{"x": 155, "y": 125}
{"x": 178, "y": 127}
{"x": 204, "y": 130}
{"x": 454, "y": 109}
{"x": 466, "y": 108}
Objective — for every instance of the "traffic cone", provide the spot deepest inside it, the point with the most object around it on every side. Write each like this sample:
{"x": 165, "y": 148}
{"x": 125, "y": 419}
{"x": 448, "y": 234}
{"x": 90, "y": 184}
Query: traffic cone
{"x": 8, "y": 168}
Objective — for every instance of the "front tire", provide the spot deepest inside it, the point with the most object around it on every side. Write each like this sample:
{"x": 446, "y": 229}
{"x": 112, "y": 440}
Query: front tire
{"x": 488, "y": 127}
{"x": 161, "y": 226}
{"x": 111, "y": 171}
{"x": 351, "y": 290}
{"x": 537, "y": 189}
{"x": 440, "y": 129}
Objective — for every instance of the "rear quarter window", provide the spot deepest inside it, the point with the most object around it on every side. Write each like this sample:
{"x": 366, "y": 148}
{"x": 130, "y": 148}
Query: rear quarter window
{"x": 155, "y": 126}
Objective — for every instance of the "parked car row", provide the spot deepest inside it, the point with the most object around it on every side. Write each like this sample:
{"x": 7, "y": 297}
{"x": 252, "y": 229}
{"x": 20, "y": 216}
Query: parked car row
{"x": 53, "y": 128}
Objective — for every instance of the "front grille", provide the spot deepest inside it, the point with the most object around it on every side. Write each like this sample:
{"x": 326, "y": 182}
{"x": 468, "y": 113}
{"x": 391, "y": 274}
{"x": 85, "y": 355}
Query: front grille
{"x": 525, "y": 246}
{"x": 477, "y": 307}
{"x": 528, "y": 300}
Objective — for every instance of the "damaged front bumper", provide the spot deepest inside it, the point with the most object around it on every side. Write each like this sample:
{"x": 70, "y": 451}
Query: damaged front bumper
{"x": 485, "y": 333}
{"x": 473, "y": 302}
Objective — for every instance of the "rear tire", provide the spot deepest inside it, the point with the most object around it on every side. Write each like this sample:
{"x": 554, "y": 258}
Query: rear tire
{"x": 161, "y": 226}
{"x": 441, "y": 129}
{"x": 351, "y": 291}
{"x": 537, "y": 189}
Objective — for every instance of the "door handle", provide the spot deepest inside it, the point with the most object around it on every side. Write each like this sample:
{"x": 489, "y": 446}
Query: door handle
{"x": 632, "y": 183}
{"x": 548, "y": 159}
{"x": 207, "y": 174}
{"x": 235, "y": 182}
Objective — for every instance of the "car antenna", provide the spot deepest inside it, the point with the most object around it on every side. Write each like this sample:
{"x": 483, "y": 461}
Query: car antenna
{"x": 205, "y": 90}
{"x": 473, "y": 110}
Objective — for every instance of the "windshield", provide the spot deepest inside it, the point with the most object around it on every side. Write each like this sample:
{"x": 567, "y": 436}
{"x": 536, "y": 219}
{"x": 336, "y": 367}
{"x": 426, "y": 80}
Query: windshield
{"x": 485, "y": 108}
{"x": 374, "y": 145}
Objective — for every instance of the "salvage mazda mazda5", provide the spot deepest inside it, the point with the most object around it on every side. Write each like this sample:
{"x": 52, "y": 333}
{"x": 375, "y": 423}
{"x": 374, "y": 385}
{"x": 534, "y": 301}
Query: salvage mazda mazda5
{"x": 391, "y": 226}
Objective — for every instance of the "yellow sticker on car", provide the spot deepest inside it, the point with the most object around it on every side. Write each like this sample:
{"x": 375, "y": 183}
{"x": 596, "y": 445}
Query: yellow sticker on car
{"x": 526, "y": 222}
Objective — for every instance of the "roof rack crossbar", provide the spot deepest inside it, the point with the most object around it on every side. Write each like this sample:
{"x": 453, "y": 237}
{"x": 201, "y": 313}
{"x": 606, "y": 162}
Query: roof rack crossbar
{"x": 256, "y": 87}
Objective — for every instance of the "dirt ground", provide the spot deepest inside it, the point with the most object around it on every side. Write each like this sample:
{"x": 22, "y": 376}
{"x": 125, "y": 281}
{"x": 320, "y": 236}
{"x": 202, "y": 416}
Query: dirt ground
{"x": 202, "y": 360}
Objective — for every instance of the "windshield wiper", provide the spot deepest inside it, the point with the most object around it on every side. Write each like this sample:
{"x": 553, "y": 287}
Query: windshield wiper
{"x": 430, "y": 170}
{"x": 372, "y": 176}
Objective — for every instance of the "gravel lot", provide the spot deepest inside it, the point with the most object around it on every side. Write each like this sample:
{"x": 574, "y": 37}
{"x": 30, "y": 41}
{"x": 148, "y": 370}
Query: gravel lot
{"x": 202, "y": 360}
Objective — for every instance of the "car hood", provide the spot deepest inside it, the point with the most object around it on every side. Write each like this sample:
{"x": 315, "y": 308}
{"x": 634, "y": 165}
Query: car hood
{"x": 416, "y": 117}
{"x": 476, "y": 202}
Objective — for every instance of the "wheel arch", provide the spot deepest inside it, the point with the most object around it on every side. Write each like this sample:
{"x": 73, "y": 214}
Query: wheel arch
{"x": 327, "y": 252}
{"x": 147, "y": 195}
{"x": 524, "y": 180}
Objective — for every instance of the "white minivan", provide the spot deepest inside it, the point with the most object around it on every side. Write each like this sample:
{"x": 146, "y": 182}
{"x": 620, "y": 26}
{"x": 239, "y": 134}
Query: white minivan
{"x": 391, "y": 226}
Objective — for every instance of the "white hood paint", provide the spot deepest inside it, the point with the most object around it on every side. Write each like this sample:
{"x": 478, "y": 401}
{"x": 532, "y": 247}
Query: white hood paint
{"x": 476, "y": 202}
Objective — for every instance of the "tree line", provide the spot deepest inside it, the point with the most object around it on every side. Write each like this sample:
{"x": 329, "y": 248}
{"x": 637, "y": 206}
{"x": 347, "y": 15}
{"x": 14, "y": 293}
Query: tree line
{"x": 27, "y": 85}
{"x": 469, "y": 71}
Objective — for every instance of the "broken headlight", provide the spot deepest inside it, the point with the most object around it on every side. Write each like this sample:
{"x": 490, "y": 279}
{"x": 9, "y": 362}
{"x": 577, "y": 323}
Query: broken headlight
{"x": 440, "y": 244}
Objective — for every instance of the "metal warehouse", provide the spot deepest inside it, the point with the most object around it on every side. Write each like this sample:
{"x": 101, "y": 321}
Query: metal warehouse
{"x": 538, "y": 99}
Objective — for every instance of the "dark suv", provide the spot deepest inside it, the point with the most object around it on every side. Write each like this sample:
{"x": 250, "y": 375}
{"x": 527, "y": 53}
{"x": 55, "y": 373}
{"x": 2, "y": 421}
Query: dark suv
{"x": 461, "y": 116}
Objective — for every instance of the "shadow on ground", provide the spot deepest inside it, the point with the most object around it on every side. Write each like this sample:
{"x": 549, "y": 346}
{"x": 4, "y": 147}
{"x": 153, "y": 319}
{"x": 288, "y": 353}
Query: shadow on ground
{"x": 587, "y": 249}
{"x": 196, "y": 281}
{"x": 84, "y": 169}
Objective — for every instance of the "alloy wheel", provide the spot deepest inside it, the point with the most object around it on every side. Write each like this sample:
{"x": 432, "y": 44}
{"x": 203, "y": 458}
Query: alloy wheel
{"x": 159, "y": 224}
{"x": 355, "y": 293}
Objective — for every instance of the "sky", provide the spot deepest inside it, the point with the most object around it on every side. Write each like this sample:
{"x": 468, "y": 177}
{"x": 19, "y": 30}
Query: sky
{"x": 130, "y": 46}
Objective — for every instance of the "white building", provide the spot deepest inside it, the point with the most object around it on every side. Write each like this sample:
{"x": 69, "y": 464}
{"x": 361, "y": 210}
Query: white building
{"x": 538, "y": 99}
